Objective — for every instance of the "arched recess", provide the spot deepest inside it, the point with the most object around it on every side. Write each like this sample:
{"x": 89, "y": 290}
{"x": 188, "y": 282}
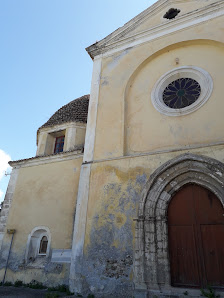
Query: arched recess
{"x": 140, "y": 117}
{"x": 151, "y": 262}
{"x": 33, "y": 243}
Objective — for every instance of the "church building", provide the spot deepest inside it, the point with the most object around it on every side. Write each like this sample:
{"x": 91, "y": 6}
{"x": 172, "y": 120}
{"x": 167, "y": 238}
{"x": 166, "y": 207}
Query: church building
{"x": 125, "y": 195}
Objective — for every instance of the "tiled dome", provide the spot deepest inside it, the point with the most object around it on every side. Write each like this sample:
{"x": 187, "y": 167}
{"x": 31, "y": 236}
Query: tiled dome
{"x": 74, "y": 111}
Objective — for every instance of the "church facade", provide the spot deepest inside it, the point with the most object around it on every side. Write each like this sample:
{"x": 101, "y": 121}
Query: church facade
{"x": 128, "y": 201}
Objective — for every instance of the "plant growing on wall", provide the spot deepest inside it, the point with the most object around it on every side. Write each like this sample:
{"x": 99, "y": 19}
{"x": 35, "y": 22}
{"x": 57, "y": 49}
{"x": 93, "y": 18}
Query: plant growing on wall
{"x": 210, "y": 293}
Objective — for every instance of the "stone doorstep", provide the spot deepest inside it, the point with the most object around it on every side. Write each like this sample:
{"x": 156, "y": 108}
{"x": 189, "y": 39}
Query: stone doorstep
{"x": 173, "y": 293}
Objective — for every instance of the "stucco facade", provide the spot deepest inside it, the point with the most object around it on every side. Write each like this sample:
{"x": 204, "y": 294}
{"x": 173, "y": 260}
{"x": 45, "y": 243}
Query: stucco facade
{"x": 48, "y": 200}
{"x": 136, "y": 157}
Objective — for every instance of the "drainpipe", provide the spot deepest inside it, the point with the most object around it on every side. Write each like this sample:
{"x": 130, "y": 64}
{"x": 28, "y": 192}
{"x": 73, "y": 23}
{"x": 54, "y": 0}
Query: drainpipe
{"x": 12, "y": 232}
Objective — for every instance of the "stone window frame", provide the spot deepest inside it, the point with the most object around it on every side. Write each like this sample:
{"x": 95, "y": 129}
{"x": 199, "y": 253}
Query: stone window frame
{"x": 32, "y": 247}
{"x": 151, "y": 261}
{"x": 193, "y": 72}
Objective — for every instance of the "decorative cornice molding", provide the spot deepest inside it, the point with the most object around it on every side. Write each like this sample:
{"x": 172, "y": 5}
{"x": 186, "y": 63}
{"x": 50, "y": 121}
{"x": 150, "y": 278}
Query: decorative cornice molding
{"x": 63, "y": 126}
{"x": 162, "y": 151}
{"x": 40, "y": 160}
{"x": 117, "y": 41}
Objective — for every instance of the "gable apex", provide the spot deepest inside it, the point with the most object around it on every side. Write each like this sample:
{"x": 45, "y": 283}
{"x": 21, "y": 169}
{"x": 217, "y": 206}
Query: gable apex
{"x": 153, "y": 20}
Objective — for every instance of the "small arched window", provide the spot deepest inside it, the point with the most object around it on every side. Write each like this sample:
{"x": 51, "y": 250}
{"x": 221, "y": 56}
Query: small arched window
{"x": 38, "y": 244}
{"x": 43, "y": 245}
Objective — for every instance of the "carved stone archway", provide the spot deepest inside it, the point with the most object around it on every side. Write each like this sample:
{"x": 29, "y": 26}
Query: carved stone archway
{"x": 151, "y": 263}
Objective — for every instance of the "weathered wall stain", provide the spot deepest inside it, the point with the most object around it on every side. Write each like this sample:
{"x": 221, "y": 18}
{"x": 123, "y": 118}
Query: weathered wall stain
{"x": 50, "y": 274}
{"x": 109, "y": 247}
{"x": 115, "y": 60}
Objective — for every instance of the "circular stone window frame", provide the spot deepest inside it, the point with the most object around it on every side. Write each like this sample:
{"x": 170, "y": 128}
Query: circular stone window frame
{"x": 196, "y": 73}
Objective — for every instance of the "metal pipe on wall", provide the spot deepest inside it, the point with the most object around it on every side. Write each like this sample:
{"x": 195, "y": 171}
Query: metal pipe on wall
{"x": 9, "y": 231}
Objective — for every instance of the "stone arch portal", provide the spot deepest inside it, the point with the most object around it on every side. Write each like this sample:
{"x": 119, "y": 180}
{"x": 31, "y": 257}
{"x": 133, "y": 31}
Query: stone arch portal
{"x": 151, "y": 263}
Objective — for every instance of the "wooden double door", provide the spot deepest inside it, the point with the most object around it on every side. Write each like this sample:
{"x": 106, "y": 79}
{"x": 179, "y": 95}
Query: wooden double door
{"x": 196, "y": 238}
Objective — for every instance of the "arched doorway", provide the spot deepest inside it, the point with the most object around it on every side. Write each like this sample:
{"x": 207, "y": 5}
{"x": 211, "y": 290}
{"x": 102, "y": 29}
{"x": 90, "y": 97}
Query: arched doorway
{"x": 152, "y": 270}
{"x": 196, "y": 237}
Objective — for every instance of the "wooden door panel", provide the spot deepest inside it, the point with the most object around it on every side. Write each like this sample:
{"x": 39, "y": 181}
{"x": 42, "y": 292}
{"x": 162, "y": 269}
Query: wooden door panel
{"x": 209, "y": 209}
{"x": 213, "y": 250}
{"x": 183, "y": 259}
{"x": 181, "y": 210}
{"x": 196, "y": 238}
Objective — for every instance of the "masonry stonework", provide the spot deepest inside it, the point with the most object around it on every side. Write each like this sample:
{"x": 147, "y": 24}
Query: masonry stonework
{"x": 151, "y": 253}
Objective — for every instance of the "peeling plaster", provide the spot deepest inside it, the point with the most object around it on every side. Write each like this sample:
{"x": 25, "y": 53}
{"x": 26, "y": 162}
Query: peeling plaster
{"x": 108, "y": 257}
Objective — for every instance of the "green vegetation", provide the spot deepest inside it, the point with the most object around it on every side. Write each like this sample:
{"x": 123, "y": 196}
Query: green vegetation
{"x": 8, "y": 284}
{"x": 38, "y": 285}
{"x": 210, "y": 293}
{"x": 61, "y": 288}
{"x": 18, "y": 283}
{"x": 52, "y": 295}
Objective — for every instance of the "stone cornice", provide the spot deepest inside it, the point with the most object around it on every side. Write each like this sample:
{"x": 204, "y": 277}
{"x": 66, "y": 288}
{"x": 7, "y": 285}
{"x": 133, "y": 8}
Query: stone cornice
{"x": 40, "y": 160}
{"x": 61, "y": 126}
{"x": 162, "y": 151}
{"x": 118, "y": 40}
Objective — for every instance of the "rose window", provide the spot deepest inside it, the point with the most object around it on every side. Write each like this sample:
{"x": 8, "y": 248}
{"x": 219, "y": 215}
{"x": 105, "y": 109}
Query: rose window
{"x": 181, "y": 93}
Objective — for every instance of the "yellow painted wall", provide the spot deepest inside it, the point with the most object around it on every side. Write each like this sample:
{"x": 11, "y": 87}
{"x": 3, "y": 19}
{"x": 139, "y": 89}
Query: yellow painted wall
{"x": 128, "y": 124}
{"x": 45, "y": 195}
{"x": 147, "y": 129}
{"x": 115, "y": 192}
{"x": 116, "y": 129}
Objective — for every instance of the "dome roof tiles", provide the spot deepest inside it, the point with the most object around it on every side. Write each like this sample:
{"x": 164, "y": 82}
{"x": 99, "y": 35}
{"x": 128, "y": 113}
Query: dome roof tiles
{"x": 74, "y": 111}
